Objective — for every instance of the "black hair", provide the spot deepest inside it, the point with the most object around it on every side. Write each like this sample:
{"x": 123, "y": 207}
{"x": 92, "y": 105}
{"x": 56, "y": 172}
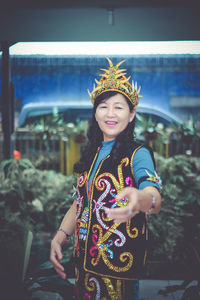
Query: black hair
{"x": 95, "y": 138}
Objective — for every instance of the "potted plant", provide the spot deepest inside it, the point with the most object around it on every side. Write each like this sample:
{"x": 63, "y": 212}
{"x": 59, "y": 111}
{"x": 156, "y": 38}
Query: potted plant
{"x": 190, "y": 130}
{"x": 148, "y": 128}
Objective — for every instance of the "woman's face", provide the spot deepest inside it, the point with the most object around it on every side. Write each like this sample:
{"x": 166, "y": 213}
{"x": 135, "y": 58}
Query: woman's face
{"x": 113, "y": 115}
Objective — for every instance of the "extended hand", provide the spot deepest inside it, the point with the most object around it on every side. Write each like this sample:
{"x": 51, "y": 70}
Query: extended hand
{"x": 123, "y": 214}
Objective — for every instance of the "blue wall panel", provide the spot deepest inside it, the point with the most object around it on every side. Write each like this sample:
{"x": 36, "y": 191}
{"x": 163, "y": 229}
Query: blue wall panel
{"x": 58, "y": 78}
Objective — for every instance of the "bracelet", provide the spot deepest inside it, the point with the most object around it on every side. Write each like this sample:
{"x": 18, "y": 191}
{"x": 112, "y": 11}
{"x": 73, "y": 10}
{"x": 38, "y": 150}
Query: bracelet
{"x": 153, "y": 205}
{"x": 65, "y": 232}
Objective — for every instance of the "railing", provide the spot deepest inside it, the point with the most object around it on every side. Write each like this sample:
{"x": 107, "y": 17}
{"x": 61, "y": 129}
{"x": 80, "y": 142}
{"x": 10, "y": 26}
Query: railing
{"x": 172, "y": 146}
{"x": 57, "y": 153}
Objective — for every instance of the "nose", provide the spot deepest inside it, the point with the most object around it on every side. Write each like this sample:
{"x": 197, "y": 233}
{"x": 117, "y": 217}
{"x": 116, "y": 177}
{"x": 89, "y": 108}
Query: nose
{"x": 110, "y": 111}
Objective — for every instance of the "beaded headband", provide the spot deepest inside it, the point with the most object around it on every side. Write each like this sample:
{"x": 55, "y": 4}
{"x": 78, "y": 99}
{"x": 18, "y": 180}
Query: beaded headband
{"x": 114, "y": 79}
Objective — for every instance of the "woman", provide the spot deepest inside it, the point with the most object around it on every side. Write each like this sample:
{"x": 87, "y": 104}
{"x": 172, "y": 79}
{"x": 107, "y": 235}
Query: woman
{"x": 117, "y": 188}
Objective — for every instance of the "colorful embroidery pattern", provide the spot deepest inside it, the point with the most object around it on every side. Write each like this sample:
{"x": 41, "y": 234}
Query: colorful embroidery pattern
{"x": 83, "y": 224}
{"x": 133, "y": 233}
{"x": 92, "y": 287}
{"x": 82, "y": 179}
{"x": 91, "y": 284}
{"x": 154, "y": 178}
{"x": 118, "y": 184}
{"x": 110, "y": 248}
{"x": 103, "y": 242}
{"x": 114, "y": 294}
{"x": 79, "y": 202}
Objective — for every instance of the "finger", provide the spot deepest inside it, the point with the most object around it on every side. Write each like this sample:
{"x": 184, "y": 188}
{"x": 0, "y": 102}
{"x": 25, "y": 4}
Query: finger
{"x": 56, "y": 263}
{"x": 54, "y": 255}
{"x": 58, "y": 252}
{"x": 119, "y": 221}
{"x": 124, "y": 218}
{"x": 59, "y": 255}
{"x": 61, "y": 274}
{"x": 121, "y": 211}
{"x": 116, "y": 212}
{"x": 124, "y": 193}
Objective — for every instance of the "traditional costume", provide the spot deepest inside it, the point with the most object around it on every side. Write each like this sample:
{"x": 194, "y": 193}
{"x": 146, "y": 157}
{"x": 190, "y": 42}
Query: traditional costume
{"x": 109, "y": 256}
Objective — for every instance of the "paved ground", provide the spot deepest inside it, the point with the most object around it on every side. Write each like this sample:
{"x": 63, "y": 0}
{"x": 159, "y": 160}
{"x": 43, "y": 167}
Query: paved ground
{"x": 149, "y": 290}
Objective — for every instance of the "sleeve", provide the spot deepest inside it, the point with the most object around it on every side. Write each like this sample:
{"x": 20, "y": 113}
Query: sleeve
{"x": 144, "y": 170}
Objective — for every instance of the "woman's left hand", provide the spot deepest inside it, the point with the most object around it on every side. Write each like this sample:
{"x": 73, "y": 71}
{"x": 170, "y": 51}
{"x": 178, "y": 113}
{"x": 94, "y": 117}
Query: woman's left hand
{"x": 123, "y": 214}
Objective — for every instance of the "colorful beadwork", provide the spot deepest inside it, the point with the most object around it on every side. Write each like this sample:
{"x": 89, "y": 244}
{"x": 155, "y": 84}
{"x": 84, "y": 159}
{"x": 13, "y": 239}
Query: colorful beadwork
{"x": 114, "y": 79}
{"x": 133, "y": 233}
{"x": 79, "y": 202}
{"x": 154, "y": 178}
{"x": 114, "y": 294}
{"x": 83, "y": 224}
{"x": 91, "y": 284}
{"x": 110, "y": 249}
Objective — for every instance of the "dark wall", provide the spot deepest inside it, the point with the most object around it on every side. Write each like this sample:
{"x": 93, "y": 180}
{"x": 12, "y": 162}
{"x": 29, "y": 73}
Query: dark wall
{"x": 92, "y": 24}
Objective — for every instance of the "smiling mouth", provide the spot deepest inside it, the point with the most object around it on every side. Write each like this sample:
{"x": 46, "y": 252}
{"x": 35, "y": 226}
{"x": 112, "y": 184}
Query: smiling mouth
{"x": 111, "y": 122}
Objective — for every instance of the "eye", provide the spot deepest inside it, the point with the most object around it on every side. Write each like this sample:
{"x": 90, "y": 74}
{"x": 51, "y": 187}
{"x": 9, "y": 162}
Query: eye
{"x": 118, "y": 107}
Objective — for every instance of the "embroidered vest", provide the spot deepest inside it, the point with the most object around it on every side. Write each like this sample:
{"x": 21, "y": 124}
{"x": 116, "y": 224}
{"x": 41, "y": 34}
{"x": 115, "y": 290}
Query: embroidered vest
{"x": 111, "y": 250}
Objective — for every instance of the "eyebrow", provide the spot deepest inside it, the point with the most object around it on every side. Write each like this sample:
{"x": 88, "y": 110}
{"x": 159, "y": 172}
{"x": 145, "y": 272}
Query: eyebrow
{"x": 118, "y": 102}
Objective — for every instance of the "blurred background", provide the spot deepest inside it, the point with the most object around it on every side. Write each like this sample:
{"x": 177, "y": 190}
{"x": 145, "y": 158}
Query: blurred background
{"x": 50, "y": 54}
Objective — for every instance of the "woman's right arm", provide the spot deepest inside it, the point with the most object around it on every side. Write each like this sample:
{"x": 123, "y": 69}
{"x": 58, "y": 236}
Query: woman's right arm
{"x": 68, "y": 225}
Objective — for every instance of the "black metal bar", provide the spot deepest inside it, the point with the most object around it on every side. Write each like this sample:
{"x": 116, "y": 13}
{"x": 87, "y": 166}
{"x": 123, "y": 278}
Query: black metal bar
{"x": 12, "y": 103}
{"x": 6, "y": 101}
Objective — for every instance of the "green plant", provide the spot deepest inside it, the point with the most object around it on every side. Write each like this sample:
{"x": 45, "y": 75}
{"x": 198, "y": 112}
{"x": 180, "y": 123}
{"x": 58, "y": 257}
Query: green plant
{"x": 191, "y": 127}
{"x": 40, "y": 197}
{"x": 30, "y": 199}
{"x": 47, "y": 127}
{"x": 147, "y": 127}
{"x": 47, "y": 162}
{"x": 15, "y": 221}
{"x": 188, "y": 131}
{"x": 14, "y": 197}
{"x": 177, "y": 224}
{"x": 13, "y": 168}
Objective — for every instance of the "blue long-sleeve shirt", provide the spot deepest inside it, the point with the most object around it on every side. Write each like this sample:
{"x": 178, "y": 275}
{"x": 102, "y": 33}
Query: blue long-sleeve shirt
{"x": 142, "y": 162}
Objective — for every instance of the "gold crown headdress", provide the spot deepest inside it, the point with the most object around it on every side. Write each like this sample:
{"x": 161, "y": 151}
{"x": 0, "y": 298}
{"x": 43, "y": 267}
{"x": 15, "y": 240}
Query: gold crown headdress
{"x": 114, "y": 79}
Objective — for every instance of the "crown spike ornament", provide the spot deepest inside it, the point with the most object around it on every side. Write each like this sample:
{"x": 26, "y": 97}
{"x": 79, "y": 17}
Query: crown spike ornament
{"x": 110, "y": 62}
{"x": 121, "y": 62}
{"x": 114, "y": 79}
